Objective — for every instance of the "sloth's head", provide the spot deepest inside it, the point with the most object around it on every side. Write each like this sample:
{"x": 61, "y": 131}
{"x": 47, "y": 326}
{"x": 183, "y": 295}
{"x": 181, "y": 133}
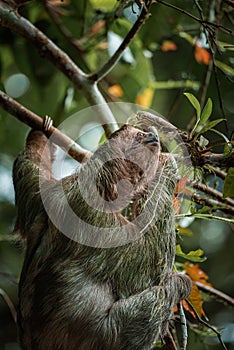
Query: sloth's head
{"x": 129, "y": 161}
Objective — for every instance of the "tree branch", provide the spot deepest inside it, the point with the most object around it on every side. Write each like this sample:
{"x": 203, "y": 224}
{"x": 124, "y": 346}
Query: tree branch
{"x": 216, "y": 293}
{"x": 12, "y": 20}
{"x": 34, "y": 121}
{"x": 204, "y": 201}
{"x": 213, "y": 193}
{"x": 221, "y": 174}
{"x": 109, "y": 65}
{"x": 217, "y": 160}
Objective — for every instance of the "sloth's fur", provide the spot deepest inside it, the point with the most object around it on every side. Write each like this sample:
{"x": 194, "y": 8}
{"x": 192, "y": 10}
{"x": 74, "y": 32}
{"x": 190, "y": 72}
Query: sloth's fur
{"x": 96, "y": 296}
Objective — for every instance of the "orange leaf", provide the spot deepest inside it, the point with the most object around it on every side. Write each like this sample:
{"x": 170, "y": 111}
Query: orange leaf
{"x": 145, "y": 98}
{"x": 180, "y": 186}
{"x": 196, "y": 274}
{"x": 168, "y": 45}
{"x": 196, "y": 300}
{"x": 176, "y": 205}
{"x": 201, "y": 55}
{"x": 97, "y": 26}
{"x": 116, "y": 90}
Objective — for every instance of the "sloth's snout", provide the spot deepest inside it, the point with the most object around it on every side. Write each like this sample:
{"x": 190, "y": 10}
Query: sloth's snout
{"x": 151, "y": 138}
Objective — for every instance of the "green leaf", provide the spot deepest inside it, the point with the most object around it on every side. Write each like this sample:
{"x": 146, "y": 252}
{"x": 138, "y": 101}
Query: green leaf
{"x": 228, "y": 188}
{"x": 193, "y": 100}
{"x": 225, "y": 68}
{"x": 228, "y": 146}
{"x": 193, "y": 255}
{"x": 210, "y": 125}
{"x": 206, "y": 112}
{"x": 102, "y": 139}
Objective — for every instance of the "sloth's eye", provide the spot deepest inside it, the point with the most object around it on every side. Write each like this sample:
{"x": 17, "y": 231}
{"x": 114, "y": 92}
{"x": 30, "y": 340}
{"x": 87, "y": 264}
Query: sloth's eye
{"x": 139, "y": 136}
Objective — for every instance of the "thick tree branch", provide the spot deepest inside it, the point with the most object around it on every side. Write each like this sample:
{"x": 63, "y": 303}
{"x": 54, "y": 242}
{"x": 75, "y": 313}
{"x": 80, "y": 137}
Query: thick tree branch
{"x": 12, "y": 20}
{"x": 109, "y": 65}
{"x": 217, "y": 160}
{"x": 36, "y": 122}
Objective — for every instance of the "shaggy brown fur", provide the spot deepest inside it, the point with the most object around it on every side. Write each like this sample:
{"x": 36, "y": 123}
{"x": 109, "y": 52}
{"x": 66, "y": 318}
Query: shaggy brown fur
{"x": 118, "y": 291}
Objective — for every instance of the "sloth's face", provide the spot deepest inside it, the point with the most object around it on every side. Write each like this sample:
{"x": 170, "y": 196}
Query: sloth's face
{"x": 130, "y": 161}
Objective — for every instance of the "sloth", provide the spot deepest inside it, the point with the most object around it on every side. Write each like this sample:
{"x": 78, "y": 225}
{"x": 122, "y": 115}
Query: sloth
{"x": 100, "y": 245}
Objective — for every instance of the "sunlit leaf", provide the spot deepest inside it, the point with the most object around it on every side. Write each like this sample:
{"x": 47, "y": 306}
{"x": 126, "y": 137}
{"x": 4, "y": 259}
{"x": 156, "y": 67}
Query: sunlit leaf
{"x": 102, "y": 139}
{"x": 116, "y": 90}
{"x": 195, "y": 103}
{"x": 185, "y": 231}
{"x": 145, "y": 98}
{"x": 225, "y": 68}
{"x": 187, "y": 37}
{"x": 210, "y": 125}
{"x": 103, "y": 4}
{"x": 206, "y": 112}
{"x": 228, "y": 188}
{"x": 193, "y": 255}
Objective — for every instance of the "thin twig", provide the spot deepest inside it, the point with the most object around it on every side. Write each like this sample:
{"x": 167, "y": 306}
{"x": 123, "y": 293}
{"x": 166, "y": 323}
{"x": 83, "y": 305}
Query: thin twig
{"x": 9, "y": 304}
{"x": 202, "y": 22}
{"x": 109, "y": 65}
{"x": 63, "y": 30}
{"x": 205, "y": 217}
{"x": 34, "y": 121}
{"x": 200, "y": 320}
{"x": 216, "y": 293}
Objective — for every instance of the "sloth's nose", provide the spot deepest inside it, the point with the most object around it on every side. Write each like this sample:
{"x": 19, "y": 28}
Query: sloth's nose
{"x": 151, "y": 138}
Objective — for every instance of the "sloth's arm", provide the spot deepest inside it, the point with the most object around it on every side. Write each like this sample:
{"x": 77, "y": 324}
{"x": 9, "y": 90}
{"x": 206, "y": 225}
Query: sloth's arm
{"x": 36, "y": 158}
